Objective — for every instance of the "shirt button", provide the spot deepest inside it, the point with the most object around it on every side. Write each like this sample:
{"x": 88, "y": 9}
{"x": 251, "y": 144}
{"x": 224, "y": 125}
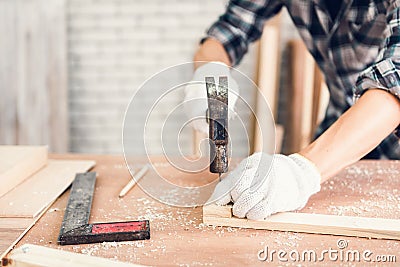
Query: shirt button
{"x": 391, "y": 79}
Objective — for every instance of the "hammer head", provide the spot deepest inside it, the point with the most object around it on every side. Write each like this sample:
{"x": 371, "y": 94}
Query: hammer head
{"x": 217, "y": 116}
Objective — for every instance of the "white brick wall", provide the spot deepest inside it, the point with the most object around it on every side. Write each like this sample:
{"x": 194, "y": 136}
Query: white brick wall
{"x": 114, "y": 46}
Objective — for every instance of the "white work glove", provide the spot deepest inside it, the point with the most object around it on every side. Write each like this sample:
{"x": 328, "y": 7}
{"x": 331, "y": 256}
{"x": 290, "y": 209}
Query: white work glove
{"x": 262, "y": 185}
{"x": 195, "y": 101}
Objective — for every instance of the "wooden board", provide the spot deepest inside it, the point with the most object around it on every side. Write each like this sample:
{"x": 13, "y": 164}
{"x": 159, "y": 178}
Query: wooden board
{"x": 17, "y": 223}
{"x": 13, "y": 230}
{"x": 180, "y": 238}
{"x": 36, "y": 193}
{"x": 18, "y": 163}
{"x": 32, "y": 255}
{"x": 33, "y": 73}
{"x": 320, "y": 99}
{"x": 307, "y": 223}
{"x": 299, "y": 126}
{"x": 268, "y": 85}
{"x": 32, "y": 198}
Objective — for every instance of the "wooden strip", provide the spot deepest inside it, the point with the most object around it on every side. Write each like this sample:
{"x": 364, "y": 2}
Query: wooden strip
{"x": 9, "y": 242}
{"x": 20, "y": 226}
{"x": 279, "y": 133}
{"x": 41, "y": 189}
{"x": 31, "y": 255}
{"x": 18, "y": 163}
{"x": 8, "y": 236}
{"x": 267, "y": 95}
{"x": 320, "y": 98}
{"x": 299, "y": 128}
{"x": 135, "y": 179}
{"x": 307, "y": 223}
{"x": 17, "y": 223}
{"x": 318, "y": 86}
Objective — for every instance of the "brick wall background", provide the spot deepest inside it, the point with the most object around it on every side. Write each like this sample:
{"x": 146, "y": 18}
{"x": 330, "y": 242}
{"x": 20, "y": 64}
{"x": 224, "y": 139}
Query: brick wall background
{"x": 114, "y": 46}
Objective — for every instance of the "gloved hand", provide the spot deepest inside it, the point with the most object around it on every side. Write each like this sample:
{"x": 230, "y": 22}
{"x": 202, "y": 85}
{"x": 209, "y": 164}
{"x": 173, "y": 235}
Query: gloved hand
{"x": 263, "y": 184}
{"x": 195, "y": 101}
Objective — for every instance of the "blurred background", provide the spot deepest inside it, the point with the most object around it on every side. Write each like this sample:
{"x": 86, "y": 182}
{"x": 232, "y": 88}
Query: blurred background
{"x": 68, "y": 68}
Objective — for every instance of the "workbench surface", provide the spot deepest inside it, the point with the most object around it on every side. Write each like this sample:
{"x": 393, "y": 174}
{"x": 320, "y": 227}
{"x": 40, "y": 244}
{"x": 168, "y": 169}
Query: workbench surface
{"x": 178, "y": 237}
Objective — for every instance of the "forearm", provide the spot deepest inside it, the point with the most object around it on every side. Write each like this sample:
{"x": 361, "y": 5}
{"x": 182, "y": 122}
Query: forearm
{"x": 359, "y": 130}
{"x": 211, "y": 50}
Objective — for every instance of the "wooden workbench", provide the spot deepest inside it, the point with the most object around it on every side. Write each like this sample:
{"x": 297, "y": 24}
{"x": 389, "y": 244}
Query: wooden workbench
{"x": 178, "y": 237}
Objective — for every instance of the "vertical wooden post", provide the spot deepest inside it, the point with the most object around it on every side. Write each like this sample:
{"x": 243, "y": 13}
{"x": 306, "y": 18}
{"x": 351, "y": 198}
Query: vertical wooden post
{"x": 299, "y": 123}
{"x": 268, "y": 84}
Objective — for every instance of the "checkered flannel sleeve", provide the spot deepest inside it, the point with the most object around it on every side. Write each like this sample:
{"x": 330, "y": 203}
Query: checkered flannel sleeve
{"x": 385, "y": 74}
{"x": 241, "y": 24}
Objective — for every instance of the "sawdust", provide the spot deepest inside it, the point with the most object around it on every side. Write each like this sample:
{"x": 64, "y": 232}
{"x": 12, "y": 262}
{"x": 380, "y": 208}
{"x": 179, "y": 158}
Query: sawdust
{"x": 183, "y": 226}
{"x": 53, "y": 210}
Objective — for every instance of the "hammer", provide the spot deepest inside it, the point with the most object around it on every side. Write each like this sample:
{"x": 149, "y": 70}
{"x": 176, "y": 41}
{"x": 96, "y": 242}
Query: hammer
{"x": 217, "y": 118}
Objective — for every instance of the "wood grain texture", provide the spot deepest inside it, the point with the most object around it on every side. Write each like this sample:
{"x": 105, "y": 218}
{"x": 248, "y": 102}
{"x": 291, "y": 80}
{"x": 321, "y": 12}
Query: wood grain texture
{"x": 17, "y": 223}
{"x": 320, "y": 99}
{"x": 307, "y": 223}
{"x": 31, "y": 199}
{"x": 33, "y": 255}
{"x": 179, "y": 236}
{"x": 299, "y": 126}
{"x": 12, "y": 234}
{"x": 36, "y": 193}
{"x": 18, "y": 163}
{"x": 268, "y": 85}
{"x": 33, "y": 74}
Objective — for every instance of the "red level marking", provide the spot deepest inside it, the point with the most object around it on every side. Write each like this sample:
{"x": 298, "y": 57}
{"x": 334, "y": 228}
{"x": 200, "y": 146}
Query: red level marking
{"x": 118, "y": 227}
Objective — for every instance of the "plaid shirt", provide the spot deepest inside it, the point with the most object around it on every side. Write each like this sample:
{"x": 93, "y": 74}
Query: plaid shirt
{"x": 357, "y": 50}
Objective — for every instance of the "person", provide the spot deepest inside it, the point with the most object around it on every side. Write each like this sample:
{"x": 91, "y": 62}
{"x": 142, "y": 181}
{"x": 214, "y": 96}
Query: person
{"x": 356, "y": 44}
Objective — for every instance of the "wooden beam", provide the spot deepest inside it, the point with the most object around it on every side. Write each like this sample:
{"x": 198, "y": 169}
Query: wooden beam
{"x": 320, "y": 99}
{"x": 268, "y": 85}
{"x": 42, "y": 188}
{"x": 17, "y": 215}
{"x": 299, "y": 125}
{"x": 18, "y": 163}
{"x": 34, "y": 256}
{"x": 307, "y": 223}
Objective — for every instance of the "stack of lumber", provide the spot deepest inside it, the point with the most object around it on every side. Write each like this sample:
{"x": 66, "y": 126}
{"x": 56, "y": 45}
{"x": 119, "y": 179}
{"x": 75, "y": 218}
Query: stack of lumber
{"x": 30, "y": 183}
{"x": 309, "y": 98}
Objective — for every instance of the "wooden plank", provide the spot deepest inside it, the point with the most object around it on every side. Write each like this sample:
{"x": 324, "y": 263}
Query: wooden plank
{"x": 33, "y": 71}
{"x": 17, "y": 223}
{"x": 20, "y": 228}
{"x": 366, "y": 189}
{"x": 32, "y": 255}
{"x": 11, "y": 230}
{"x": 299, "y": 126}
{"x": 18, "y": 163}
{"x": 268, "y": 85}
{"x": 279, "y": 133}
{"x": 8, "y": 236}
{"x": 307, "y": 223}
{"x": 320, "y": 98}
{"x": 11, "y": 236}
{"x": 42, "y": 188}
